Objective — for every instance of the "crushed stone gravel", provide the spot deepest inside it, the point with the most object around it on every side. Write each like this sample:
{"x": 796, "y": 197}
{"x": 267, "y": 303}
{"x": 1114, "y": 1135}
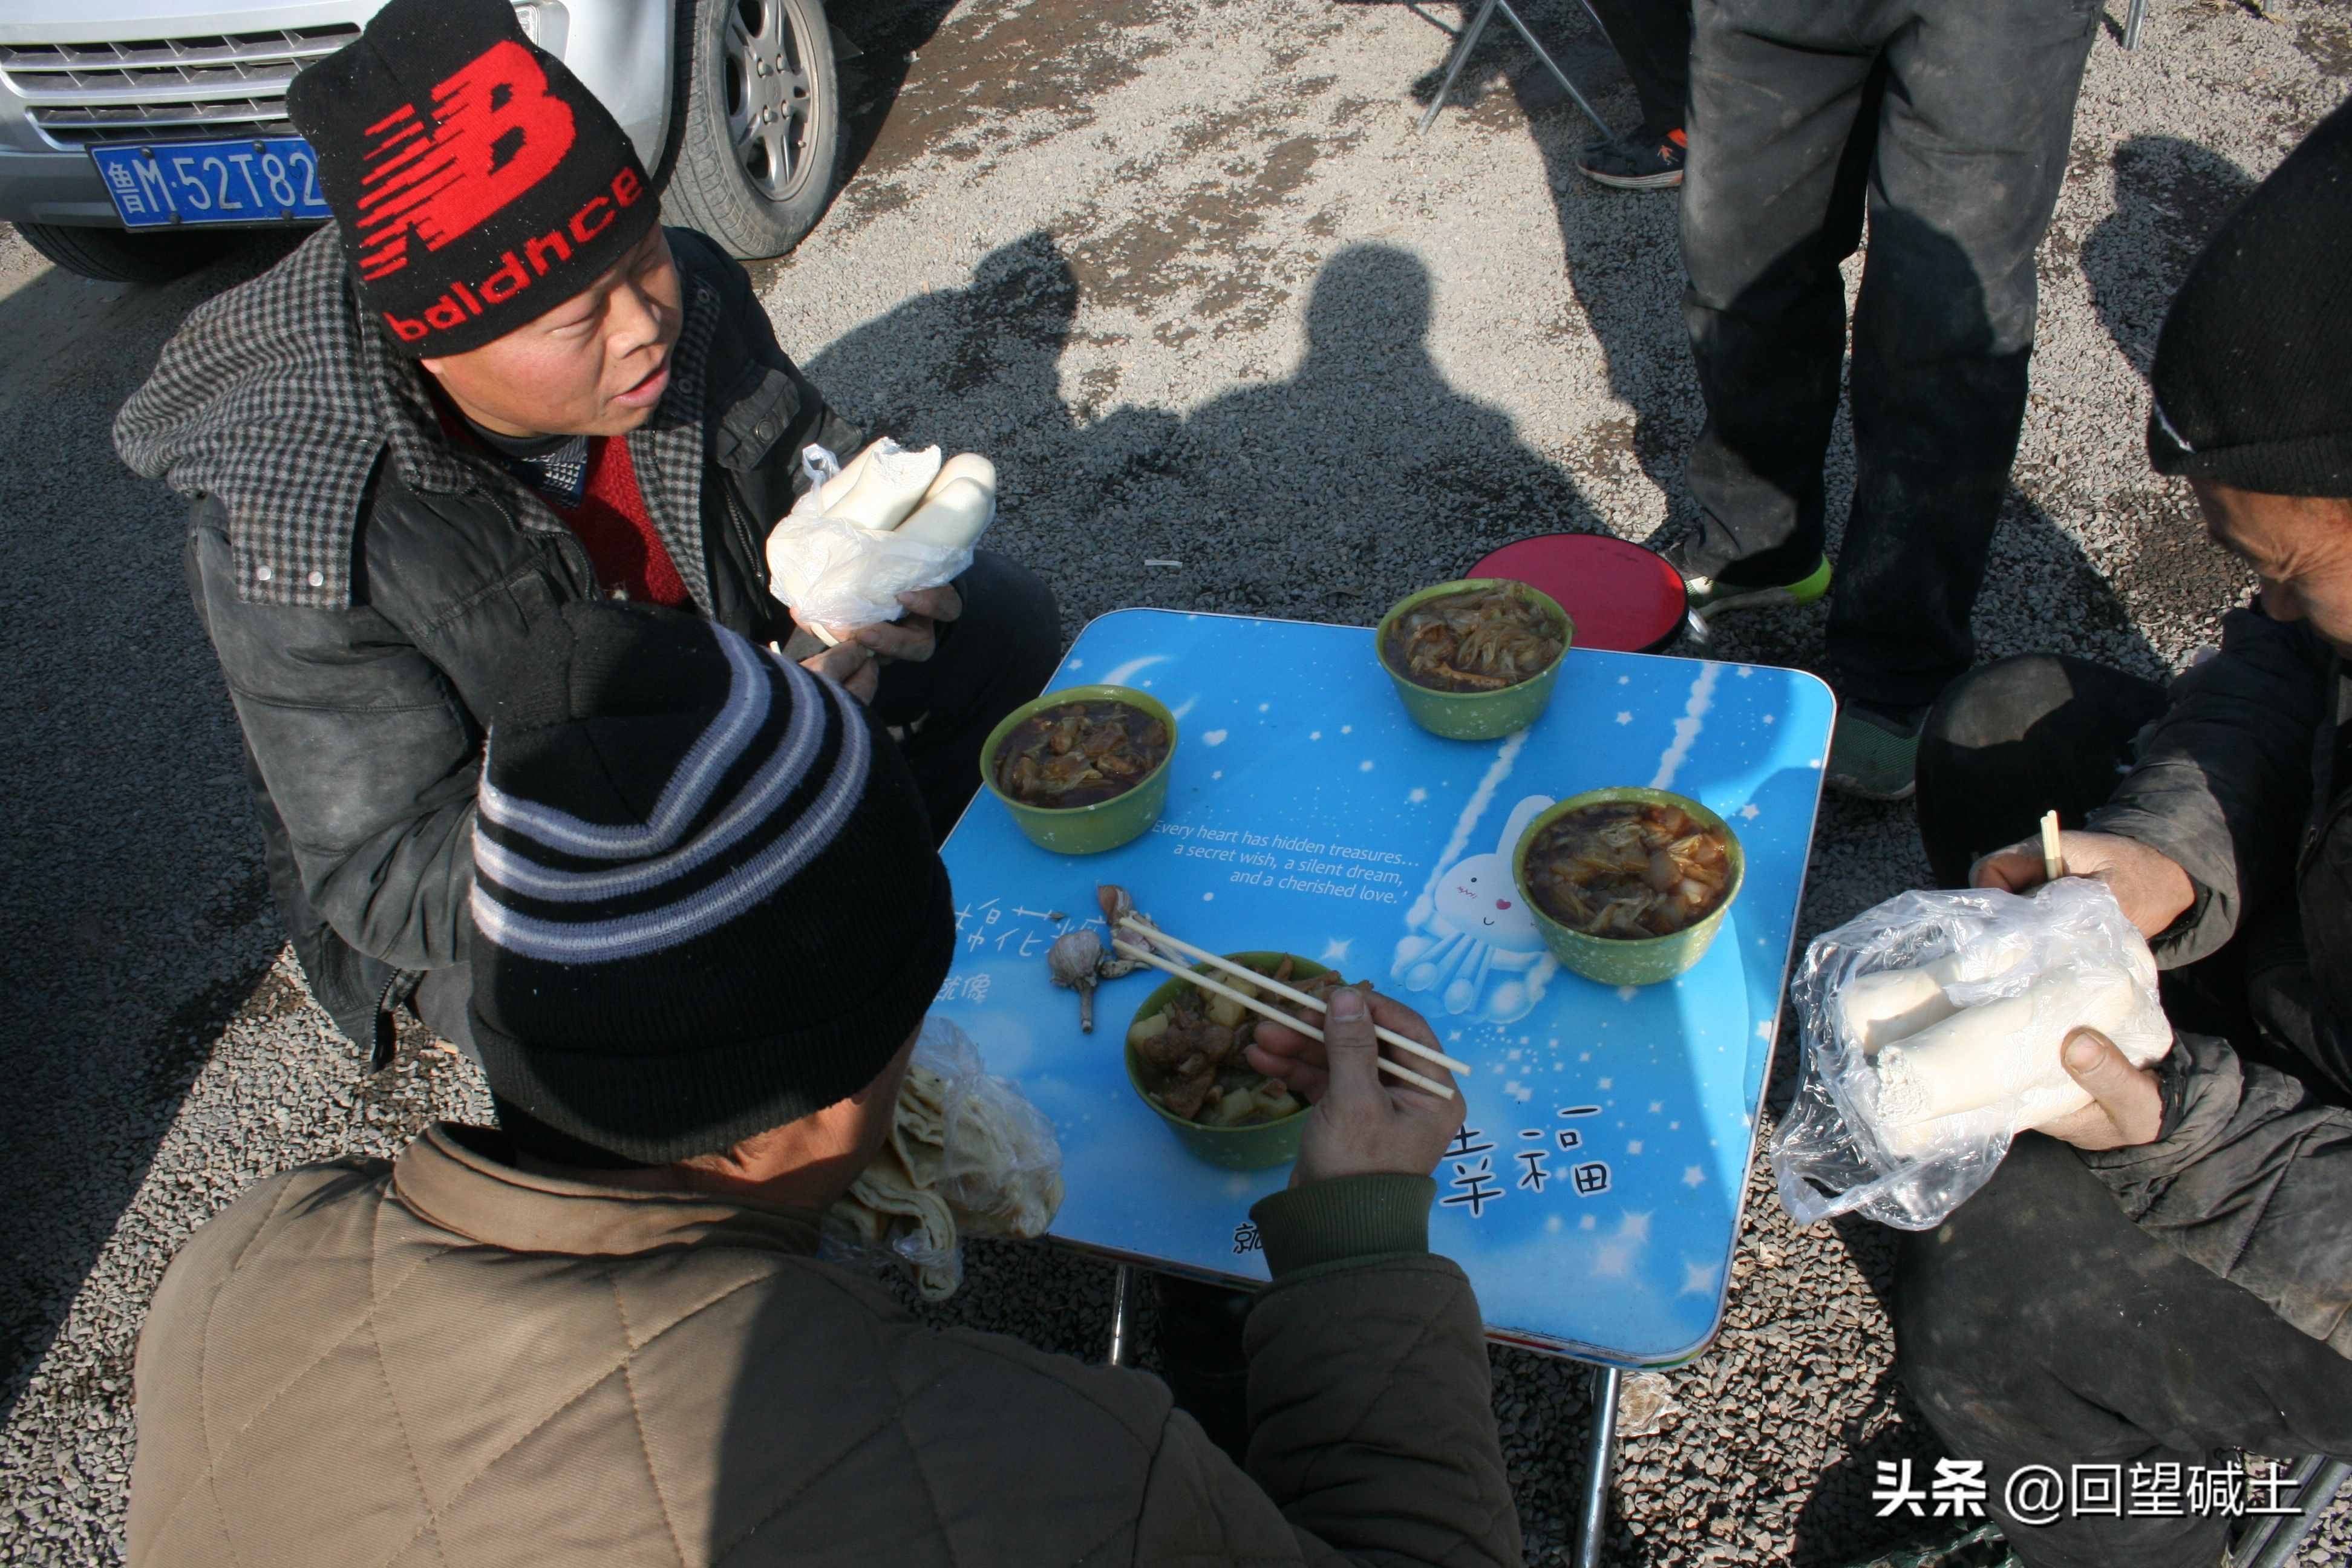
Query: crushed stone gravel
{"x": 1186, "y": 272}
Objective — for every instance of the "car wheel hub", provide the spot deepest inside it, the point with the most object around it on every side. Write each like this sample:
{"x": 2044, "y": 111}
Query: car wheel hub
{"x": 769, "y": 97}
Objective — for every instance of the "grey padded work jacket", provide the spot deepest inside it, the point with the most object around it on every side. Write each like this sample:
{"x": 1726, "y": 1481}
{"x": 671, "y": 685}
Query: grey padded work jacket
{"x": 2245, "y": 782}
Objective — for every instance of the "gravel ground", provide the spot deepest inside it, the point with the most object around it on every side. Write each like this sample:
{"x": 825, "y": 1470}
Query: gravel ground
{"x": 1186, "y": 272}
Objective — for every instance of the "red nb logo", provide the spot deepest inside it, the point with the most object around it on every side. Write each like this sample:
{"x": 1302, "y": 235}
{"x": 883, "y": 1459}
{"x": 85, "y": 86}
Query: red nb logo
{"x": 496, "y": 132}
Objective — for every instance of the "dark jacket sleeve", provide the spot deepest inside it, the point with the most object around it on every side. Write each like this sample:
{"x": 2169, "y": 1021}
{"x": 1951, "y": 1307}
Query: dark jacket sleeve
{"x": 2224, "y": 780}
{"x": 743, "y": 321}
{"x": 2253, "y": 1179}
{"x": 1371, "y": 1419}
{"x": 367, "y": 754}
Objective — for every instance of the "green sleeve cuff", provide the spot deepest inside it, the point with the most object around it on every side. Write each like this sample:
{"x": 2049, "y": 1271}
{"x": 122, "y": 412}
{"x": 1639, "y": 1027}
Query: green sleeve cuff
{"x": 1345, "y": 1219}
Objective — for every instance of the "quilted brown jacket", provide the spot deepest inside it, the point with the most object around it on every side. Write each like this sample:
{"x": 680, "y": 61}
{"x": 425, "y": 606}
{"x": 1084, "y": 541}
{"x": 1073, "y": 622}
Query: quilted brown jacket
{"x": 446, "y": 1360}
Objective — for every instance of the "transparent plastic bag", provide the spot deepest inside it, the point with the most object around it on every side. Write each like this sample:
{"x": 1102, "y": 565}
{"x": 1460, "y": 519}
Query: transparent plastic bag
{"x": 968, "y": 1155}
{"x": 835, "y": 573}
{"x": 1931, "y": 1027}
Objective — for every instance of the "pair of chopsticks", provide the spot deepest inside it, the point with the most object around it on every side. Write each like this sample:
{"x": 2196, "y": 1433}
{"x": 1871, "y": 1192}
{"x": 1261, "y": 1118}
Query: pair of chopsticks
{"x": 2053, "y": 862}
{"x": 1152, "y": 933}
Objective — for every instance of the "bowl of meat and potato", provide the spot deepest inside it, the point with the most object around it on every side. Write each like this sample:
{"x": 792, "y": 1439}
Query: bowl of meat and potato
{"x": 1186, "y": 1056}
{"x": 1084, "y": 769}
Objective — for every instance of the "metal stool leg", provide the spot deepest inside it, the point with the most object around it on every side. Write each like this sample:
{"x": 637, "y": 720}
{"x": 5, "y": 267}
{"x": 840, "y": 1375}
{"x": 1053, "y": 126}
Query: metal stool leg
{"x": 2271, "y": 1541}
{"x": 1461, "y": 53}
{"x": 2133, "y": 17}
{"x": 1544, "y": 55}
{"x": 1121, "y": 1285}
{"x": 1599, "y": 1463}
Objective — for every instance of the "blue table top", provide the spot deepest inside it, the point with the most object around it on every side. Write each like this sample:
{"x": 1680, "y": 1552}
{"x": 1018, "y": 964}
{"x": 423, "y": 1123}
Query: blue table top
{"x": 1594, "y": 1194}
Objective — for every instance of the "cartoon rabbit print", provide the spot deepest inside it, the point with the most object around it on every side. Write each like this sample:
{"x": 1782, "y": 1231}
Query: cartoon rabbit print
{"x": 1472, "y": 942}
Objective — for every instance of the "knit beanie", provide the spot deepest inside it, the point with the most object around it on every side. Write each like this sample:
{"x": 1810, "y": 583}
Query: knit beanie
{"x": 705, "y": 901}
{"x": 2250, "y": 375}
{"x": 476, "y": 184}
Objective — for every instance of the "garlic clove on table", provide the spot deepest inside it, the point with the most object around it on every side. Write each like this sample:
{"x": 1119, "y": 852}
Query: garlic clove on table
{"x": 1073, "y": 960}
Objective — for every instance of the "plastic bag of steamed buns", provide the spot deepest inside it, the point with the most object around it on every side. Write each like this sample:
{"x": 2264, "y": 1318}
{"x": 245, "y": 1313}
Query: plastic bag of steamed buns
{"x": 889, "y": 522}
{"x": 1932, "y": 1027}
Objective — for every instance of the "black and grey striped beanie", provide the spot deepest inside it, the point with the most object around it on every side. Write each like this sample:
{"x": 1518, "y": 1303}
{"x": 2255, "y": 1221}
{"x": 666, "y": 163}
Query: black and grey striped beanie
{"x": 2249, "y": 373}
{"x": 705, "y": 902}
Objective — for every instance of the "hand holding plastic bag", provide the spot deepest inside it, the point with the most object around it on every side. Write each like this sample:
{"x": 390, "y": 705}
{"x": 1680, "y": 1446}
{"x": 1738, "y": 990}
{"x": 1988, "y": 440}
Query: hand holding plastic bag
{"x": 892, "y": 521}
{"x": 968, "y": 1155}
{"x": 1932, "y": 1027}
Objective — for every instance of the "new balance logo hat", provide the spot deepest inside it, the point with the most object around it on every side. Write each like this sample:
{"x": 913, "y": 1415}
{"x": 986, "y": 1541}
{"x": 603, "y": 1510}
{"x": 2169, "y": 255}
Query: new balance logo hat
{"x": 477, "y": 183}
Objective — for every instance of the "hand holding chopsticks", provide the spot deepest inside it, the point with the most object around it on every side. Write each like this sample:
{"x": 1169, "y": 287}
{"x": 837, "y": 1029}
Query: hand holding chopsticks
{"x": 1153, "y": 934}
{"x": 1217, "y": 988}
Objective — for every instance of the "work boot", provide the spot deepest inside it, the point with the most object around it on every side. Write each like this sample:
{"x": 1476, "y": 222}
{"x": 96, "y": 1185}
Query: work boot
{"x": 1876, "y": 755}
{"x": 1719, "y": 595}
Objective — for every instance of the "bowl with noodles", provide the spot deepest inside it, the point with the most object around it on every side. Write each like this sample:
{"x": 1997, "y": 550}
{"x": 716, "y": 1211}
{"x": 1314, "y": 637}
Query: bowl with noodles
{"x": 1474, "y": 659}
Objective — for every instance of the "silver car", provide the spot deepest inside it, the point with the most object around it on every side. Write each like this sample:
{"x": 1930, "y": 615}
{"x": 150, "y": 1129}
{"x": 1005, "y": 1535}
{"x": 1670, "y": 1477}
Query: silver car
{"x": 132, "y": 133}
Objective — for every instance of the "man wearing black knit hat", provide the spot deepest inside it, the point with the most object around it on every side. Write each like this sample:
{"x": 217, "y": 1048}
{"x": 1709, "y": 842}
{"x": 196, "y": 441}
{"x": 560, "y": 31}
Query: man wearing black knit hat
{"x": 493, "y": 386}
{"x": 2178, "y": 1282}
{"x": 598, "y": 1335}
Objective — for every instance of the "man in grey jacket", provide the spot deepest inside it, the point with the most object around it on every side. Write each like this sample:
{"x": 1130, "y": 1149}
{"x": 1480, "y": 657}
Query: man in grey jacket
{"x": 2179, "y": 1282}
{"x": 709, "y": 923}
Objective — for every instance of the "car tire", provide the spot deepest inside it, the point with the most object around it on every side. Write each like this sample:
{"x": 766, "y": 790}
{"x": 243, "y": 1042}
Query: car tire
{"x": 116, "y": 256}
{"x": 759, "y": 144}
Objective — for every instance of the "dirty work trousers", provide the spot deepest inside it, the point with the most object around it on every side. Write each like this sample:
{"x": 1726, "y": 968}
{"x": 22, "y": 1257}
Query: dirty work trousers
{"x": 2038, "y": 1325}
{"x": 1949, "y": 120}
{"x": 1653, "y": 39}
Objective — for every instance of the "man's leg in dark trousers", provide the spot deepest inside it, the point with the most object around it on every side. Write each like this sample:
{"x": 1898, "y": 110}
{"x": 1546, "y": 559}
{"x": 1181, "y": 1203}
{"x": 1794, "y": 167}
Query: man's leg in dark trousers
{"x": 2025, "y": 735}
{"x": 2046, "y": 733}
{"x": 1974, "y": 136}
{"x": 1780, "y": 121}
{"x": 1000, "y": 654}
{"x": 2039, "y": 1326}
{"x": 1653, "y": 40}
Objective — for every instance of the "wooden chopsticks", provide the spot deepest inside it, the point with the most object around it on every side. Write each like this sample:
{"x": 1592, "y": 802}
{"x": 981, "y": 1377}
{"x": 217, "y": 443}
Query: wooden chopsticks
{"x": 1217, "y": 988}
{"x": 2053, "y": 862}
{"x": 1152, "y": 933}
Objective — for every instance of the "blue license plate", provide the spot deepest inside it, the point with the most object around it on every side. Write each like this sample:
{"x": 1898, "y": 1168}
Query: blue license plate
{"x": 250, "y": 180}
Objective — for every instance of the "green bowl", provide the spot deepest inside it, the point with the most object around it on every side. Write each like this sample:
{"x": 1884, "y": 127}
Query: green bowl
{"x": 1628, "y": 961}
{"x": 1106, "y": 824}
{"x": 1228, "y": 1148}
{"x": 1474, "y": 715}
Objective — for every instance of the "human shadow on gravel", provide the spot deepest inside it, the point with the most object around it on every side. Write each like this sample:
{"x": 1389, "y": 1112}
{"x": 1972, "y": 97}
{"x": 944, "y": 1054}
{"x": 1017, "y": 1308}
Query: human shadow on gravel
{"x": 1622, "y": 249}
{"x": 1329, "y": 494}
{"x": 1325, "y": 495}
{"x": 136, "y": 922}
{"x": 2170, "y": 196}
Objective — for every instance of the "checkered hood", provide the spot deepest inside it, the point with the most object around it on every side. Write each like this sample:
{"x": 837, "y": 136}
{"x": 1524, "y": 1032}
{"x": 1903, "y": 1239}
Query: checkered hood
{"x": 278, "y": 397}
